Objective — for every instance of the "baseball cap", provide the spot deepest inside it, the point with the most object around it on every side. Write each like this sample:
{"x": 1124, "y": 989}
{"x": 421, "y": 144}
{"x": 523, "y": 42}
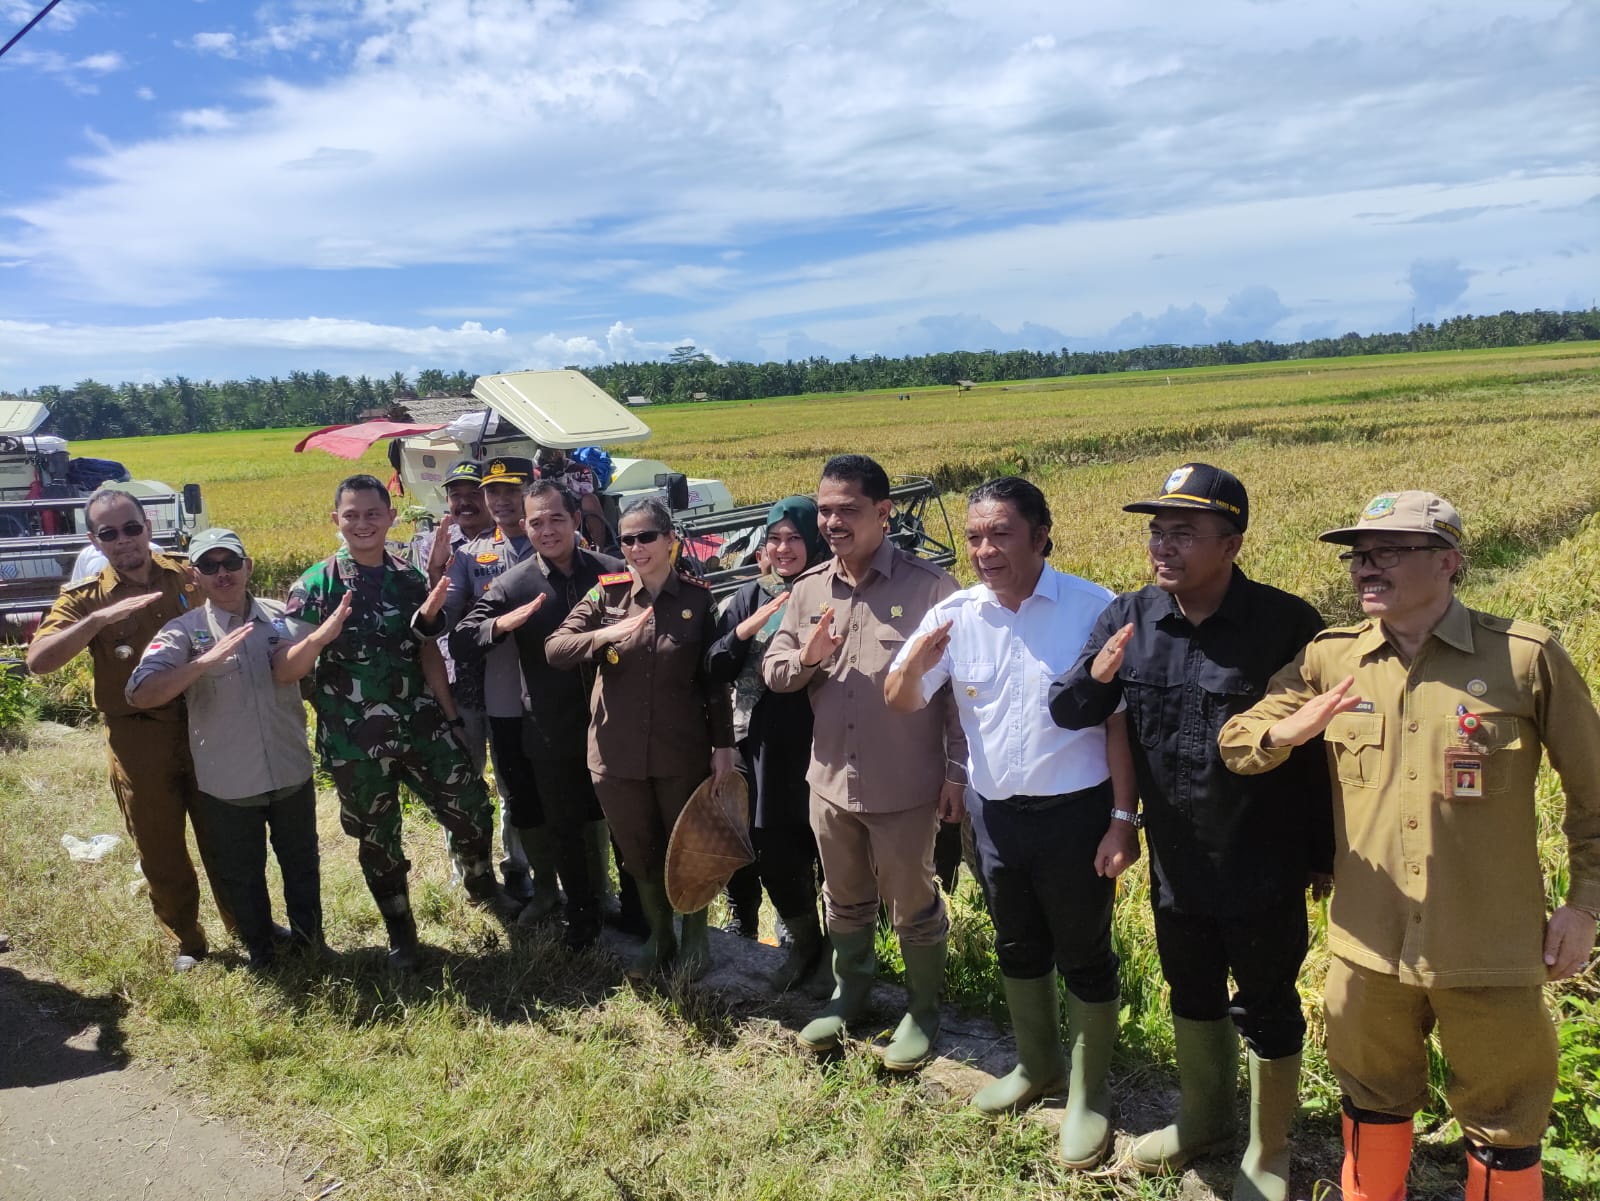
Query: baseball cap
{"x": 511, "y": 469}
{"x": 215, "y": 538}
{"x": 1410, "y": 512}
{"x": 467, "y": 471}
{"x": 1200, "y": 486}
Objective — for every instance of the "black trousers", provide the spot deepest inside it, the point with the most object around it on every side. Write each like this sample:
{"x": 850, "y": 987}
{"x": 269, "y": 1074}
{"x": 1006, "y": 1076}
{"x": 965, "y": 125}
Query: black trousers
{"x": 1263, "y": 949}
{"x": 1036, "y": 858}
{"x": 237, "y": 835}
{"x": 566, "y": 799}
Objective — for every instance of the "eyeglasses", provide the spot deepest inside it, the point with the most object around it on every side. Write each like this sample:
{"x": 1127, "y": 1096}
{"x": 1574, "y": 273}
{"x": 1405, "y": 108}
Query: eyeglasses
{"x": 1381, "y": 557}
{"x": 128, "y": 529}
{"x": 231, "y": 562}
{"x": 1180, "y": 539}
{"x": 643, "y": 538}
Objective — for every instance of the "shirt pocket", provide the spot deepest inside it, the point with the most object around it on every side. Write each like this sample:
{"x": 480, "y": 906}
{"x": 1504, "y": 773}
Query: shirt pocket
{"x": 1355, "y": 741}
{"x": 1500, "y": 736}
{"x": 973, "y": 679}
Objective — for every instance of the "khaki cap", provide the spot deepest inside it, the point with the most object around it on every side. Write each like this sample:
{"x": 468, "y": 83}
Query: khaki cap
{"x": 710, "y": 841}
{"x": 1403, "y": 513}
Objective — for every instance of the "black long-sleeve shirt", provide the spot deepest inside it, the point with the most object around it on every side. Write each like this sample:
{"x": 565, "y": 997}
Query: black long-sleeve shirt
{"x": 558, "y": 701}
{"x": 1219, "y": 843}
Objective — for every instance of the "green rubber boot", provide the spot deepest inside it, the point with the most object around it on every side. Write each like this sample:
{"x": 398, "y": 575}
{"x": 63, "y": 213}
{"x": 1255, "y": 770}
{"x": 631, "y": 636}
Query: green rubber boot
{"x": 694, "y": 947}
{"x": 1274, "y": 1098}
{"x": 1035, "y": 1007}
{"x": 855, "y": 963}
{"x": 912, "y": 1044}
{"x": 1208, "y": 1066}
{"x": 661, "y": 947}
{"x": 1086, "y": 1125}
{"x": 806, "y": 946}
{"x": 597, "y": 850}
{"x": 540, "y": 848}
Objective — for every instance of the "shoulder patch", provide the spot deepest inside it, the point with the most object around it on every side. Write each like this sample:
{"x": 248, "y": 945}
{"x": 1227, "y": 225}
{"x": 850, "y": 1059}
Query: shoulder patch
{"x": 1340, "y": 632}
{"x": 1531, "y": 631}
{"x": 593, "y": 594}
{"x": 615, "y": 577}
{"x": 696, "y": 581}
{"x": 82, "y": 585}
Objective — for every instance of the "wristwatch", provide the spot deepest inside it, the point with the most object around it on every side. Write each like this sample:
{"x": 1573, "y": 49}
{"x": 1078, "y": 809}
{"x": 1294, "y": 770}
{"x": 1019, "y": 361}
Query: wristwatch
{"x": 455, "y": 723}
{"x": 1133, "y": 819}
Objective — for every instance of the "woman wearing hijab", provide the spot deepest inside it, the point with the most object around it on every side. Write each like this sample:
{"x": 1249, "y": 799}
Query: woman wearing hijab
{"x": 774, "y": 731}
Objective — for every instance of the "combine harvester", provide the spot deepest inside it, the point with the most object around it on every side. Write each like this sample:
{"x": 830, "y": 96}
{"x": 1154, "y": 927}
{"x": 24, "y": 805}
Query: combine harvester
{"x": 43, "y": 494}
{"x": 524, "y": 412}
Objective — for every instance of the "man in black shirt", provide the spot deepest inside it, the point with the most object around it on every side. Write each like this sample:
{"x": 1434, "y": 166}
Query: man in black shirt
{"x": 528, "y": 602}
{"x": 1230, "y": 856}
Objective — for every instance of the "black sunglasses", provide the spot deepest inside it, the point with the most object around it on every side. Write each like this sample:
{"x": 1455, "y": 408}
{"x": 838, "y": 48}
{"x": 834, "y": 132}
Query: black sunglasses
{"x": 643, "y": 537}
{"x": 211, "y": 566}
{"x": 129, "y": 529}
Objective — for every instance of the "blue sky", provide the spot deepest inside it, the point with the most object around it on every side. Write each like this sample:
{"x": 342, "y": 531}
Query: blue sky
{"x": 217, "y": 188}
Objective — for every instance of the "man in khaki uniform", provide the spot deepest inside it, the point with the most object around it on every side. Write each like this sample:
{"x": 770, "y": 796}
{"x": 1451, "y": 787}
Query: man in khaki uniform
{"x": 115, "y": 615}
{"x": 1435, "y": 717}
{"x": 880, "y": 780}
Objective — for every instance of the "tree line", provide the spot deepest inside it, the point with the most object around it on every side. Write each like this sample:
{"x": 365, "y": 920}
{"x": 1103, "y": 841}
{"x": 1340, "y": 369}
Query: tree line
{"x": 90, "y": 409}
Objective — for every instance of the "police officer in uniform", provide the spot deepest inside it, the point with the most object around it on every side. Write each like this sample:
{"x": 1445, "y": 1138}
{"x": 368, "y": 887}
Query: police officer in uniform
{"x": 114, "y": 615}
{"x": 1435, "y": 718}
{"x": 659, "y": 724}
{"x": 384, "y": 711}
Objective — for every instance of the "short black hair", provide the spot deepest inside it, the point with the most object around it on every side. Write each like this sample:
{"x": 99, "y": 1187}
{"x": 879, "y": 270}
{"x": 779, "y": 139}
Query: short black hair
{"x": 860, "y": 471}
{"x": 1021, "y": 495}
{"x": 535, "y": 488}
{"x": 104, "y": 496}
{"x": 360, "y": 483}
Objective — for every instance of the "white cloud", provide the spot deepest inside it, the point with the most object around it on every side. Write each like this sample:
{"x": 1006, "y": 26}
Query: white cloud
{"x": 145, "y": 93}
{"x": 208, "y": 120}
{"x": 102, "y": 63}
{"x": 224, "y": 45}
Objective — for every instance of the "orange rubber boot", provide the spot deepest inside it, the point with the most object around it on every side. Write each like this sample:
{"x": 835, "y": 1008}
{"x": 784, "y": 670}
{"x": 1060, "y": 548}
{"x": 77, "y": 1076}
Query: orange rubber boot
{"x": 1504, "y": 1174}
{"x": 1377, "y": 1156}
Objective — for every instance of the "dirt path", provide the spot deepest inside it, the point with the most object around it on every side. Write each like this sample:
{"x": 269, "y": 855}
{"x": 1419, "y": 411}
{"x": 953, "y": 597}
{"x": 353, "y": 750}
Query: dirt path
{"x": 77, "y": 1121}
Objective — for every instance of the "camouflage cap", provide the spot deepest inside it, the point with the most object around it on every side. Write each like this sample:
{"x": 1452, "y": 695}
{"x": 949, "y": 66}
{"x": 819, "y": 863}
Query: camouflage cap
{"x": 1409, "y": 512}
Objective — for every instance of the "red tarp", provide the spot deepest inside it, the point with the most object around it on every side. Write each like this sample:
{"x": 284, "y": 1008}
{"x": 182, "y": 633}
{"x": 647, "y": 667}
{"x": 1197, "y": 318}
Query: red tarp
{"x": 353, "y": 441}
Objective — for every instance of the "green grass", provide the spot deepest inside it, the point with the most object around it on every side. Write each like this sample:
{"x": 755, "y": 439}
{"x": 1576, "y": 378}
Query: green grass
{"x": 507, "y": 1068}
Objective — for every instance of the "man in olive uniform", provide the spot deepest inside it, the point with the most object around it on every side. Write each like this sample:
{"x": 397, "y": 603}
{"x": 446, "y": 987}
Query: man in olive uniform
{"x": 1435, "y": 718}
{"x": 384, "y": 711}
{"x": 115, "y": 615}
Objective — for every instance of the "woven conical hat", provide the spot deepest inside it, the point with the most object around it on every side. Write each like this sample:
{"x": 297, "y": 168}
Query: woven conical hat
{"x": 710, "y": 841}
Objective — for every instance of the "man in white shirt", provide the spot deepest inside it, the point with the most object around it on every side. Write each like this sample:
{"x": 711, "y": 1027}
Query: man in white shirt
{"x": 1053, "y": 810}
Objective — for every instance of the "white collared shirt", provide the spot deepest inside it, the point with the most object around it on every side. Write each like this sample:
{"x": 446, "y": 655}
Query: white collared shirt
{"x": 1000, "y": 666}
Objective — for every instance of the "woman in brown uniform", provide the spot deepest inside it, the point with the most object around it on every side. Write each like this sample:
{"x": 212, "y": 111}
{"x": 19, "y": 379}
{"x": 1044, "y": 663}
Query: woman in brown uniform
{"x": 656, "y": 718}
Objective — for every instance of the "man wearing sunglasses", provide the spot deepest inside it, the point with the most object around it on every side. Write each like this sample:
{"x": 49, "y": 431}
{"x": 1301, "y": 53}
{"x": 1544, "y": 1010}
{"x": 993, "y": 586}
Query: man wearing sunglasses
{"x": 1435, "y": 718}
{"x": 247, "y": 734}
{"x": 114, "y": 615}
{"x": 1230, "y": 859}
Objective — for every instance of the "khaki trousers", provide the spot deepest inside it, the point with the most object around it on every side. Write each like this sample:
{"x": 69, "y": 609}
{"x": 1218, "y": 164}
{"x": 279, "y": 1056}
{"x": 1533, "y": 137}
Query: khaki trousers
{"x": 871, "y": 856}
{"x": 152, "y": 778}
{"x": 1499, "y": 1042}
{"x": 641, "y": 814}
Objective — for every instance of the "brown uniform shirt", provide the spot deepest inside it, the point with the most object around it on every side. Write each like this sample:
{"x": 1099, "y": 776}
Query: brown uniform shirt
{"x": 115, "y": 650}
{"x": 655, "y": 713}
{"x": 865, "y": 756}
{"x": 1437, "y": 876}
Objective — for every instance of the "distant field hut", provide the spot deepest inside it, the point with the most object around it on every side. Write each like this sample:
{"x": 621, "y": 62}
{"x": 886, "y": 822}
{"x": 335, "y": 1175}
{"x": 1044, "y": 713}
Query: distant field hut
{"x": 638, "y": 402}
{"x": 966, "y": 385}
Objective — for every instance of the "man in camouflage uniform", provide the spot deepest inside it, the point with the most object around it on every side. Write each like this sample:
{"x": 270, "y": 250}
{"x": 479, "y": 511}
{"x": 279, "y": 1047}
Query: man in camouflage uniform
{"x": 384, "y": 711}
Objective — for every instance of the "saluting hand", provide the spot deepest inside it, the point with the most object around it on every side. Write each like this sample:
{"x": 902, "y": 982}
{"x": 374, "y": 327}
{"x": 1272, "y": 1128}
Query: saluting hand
{"x": 518, "y": 617}
{"x": 823, "y": 642}
{"x": 119, "y": 609}
{"x": 430, "y": 607}
{"x": 225, "y": 646}
{"x": 329, "y": 629}
{"x": 1109, "y": 661}
{"x": 1313, "y": 717}
{"x": 927, "y": 650}
{"x": 753, "y": 625}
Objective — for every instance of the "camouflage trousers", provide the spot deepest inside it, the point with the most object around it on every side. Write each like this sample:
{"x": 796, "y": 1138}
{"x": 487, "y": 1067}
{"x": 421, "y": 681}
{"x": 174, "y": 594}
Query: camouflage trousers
{"x": 439, "y": 772}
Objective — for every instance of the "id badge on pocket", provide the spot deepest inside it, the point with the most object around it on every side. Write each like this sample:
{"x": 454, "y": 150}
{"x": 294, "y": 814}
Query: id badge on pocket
{"x": 1463, "y": 773}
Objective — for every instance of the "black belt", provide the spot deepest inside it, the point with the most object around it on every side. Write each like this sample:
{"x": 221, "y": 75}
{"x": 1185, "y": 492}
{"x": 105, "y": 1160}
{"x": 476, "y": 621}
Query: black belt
{"x": 1093, "y": 792}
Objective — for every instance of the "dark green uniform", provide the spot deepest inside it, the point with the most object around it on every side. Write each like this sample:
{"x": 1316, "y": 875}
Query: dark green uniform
{"x": 378, "y": 726}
